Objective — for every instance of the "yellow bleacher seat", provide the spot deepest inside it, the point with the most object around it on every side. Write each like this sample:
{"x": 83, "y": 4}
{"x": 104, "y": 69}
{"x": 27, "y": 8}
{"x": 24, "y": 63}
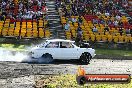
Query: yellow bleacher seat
{"x": 45, "y": 22}
{"x": 40, "y": 25}
{"x": 4, "y": 31}
{"x": 116, "y": 38}
{"x": 111, "y": 31}
{"x": 130, "y": 38}
{"x": 88, "y": 28}
{"x": 23, "y": 26}
{"x": 100, "y": 30}
{"x": 92, "y": 36}
{"x": 23, "y": 32}
{"x": 6, "y": 24}
{"x": 10, "y": 32}
{"x": 98, "y": 37}
{"x": 16, "y": 32}
{"x": 107, "y": 33}
{"x": 109, "y": 37}
{"x": 0, "y": 30}
{"x": 47, "y": 33}
{"x": 90, "y": 32}
{"x": 104, "y": 38}
{"x": 121, "y": 39}
{"x": 1, "y": 24}
{"x": 76, "y": 24}
{"x": 126, "y": 39}
{"x": 89, "y": 22}
{"x": 73, "y": 33}
{"x": 29, "y": 34}
{"x": 24, "y": 23}
{"x": 87, "y": 37}
{"x": 68, "y": 37}
{"x": 35, "y": 33}
{"x": 85, "y": 24}
{"x": 41, "y": 34}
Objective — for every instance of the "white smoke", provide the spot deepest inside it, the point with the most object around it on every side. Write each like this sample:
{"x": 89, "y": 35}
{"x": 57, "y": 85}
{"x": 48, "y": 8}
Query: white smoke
{"x": 8, "y": 55}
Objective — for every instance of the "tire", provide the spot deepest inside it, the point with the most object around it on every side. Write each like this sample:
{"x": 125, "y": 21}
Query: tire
{"x": 46, "y": 58}
{"x": 81, "y": 80}
{"x": 85, "y": 58}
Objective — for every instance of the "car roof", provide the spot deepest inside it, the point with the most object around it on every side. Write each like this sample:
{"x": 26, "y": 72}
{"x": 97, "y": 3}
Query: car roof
{"x": 59, "y": 40}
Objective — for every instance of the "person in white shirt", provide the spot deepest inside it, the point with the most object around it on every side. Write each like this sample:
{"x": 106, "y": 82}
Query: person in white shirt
{"x": 74, "y": 20}
{"x": 115, "y": 23}
{"x": 67, "y": 26}
{"x": 118, "y": 17}
{"x": 107, "y": 14}
{"x": 95, "y": 29}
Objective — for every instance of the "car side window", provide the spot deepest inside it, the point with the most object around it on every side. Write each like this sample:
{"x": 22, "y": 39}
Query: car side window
{"x": 52, "y": 45}
{"x": 66, "y": 45}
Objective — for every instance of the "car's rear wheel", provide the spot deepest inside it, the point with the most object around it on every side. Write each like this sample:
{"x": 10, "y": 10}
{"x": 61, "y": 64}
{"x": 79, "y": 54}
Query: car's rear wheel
{"x": 85, "y": 58}
{"x": 46, "y": 58}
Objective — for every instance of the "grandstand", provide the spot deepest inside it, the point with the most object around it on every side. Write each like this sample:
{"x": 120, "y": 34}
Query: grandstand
{"x": 23, "y": 19}
{"x": 48, "y": 18}
{"x": 92, "y": 16}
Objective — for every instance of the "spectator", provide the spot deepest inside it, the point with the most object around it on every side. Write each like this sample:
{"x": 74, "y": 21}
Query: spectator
{"x": 95, "y": 21}
{"x": 118, "y": 17}
{"x": 80, "y": 20}
{"x": 120, "y": 23}
{"x": 106, "y": 29}
{"x": 67, "y": 26}
{"x": 121, "y": 30}
{"x": 130, "y": 21}
{"x": 74, "y": 20}
{"x": 128, "y": 31}
{"x": 95, "y": 29}
{"x": 131, "y": 32}
{"x": 79, "y": 36}
{"x": 79, "y": 31}
{"x": 115, "y": 23}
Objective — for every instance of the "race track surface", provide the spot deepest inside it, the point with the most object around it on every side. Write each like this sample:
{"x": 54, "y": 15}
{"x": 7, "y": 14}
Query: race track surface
{"x": 13, "y": 73}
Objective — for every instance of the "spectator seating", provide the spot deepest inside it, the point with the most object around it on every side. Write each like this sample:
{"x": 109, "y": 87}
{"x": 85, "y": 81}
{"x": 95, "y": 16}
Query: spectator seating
{"x": 24, "y": 29}
{"x": 92, "y": 19}
{"x": 24, "y": 19}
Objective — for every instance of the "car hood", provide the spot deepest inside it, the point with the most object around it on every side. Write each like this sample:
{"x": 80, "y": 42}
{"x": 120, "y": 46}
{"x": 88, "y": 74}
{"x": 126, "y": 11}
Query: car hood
{"x": 35, "y": 48}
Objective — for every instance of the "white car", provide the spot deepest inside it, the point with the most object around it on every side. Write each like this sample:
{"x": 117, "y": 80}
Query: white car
{"x": 63, "y": 50}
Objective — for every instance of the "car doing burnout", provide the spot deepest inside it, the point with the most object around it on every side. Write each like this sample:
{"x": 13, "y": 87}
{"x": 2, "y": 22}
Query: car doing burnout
{"x": 63, "y": 50}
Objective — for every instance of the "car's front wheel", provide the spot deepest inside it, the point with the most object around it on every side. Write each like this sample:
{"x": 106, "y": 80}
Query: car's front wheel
{"x": 46, "y": 58}
{"x": 85, "y": 58}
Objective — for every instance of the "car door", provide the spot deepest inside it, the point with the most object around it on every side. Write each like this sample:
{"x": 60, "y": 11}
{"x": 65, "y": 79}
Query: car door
{"x": 68, "y": 51}
{"x": 53, "y": 49}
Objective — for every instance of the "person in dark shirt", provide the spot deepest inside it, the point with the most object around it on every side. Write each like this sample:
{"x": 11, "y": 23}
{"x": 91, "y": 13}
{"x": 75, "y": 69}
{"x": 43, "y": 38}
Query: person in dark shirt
{"x": 121, "y": 30}
{"x": 131, "y": 32}
{"x": 120, "y": 23}
{"x": 130, "y": 21}
{"x": 80, "y": 20}
{"x": 106, "y": 29}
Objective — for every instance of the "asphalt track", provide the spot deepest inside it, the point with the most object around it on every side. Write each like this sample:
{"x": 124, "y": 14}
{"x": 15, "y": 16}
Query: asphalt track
{"x": 23, "y": 75}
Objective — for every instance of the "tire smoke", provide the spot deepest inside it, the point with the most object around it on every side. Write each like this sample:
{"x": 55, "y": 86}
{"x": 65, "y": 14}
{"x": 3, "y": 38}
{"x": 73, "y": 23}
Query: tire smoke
{"x": 8, "y": 55}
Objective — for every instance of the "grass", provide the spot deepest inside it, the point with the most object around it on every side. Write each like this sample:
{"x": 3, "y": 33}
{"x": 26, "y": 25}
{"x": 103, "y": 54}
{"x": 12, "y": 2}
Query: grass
{"x": 13, "y": 47}
{"x": 69, "y": 81}
{"x": 114, "y": 52}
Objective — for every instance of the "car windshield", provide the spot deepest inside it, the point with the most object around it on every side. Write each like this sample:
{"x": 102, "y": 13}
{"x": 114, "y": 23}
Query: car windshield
{"x": 42, "y": 45}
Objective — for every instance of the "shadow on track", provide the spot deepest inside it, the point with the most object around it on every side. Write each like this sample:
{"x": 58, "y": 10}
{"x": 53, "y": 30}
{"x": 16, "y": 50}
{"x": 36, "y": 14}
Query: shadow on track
{"x": 56, "y": 62}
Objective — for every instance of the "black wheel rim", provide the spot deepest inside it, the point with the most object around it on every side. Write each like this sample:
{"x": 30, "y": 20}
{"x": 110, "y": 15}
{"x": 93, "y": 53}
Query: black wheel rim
{"x": 86, "y": 58}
